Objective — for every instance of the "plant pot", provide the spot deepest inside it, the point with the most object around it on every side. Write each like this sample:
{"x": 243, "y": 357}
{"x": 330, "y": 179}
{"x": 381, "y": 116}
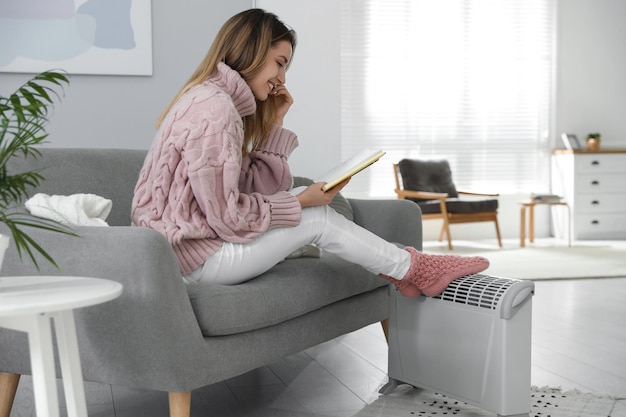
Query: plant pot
{"x": 4, "y": 244}
{"x": 593, "y": 145}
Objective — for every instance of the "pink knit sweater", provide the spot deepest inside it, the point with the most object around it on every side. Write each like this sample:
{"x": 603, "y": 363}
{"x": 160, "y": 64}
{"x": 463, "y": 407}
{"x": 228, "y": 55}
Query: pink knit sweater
{"x": 197, "y": 189}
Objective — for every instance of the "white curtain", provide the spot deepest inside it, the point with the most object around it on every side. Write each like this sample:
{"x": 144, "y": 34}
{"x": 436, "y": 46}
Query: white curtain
{"x": 464, "y": 80}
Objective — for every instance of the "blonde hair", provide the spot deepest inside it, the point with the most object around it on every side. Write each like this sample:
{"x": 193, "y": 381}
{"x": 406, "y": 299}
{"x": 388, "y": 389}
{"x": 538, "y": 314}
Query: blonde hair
{"x": 243, "y": 43}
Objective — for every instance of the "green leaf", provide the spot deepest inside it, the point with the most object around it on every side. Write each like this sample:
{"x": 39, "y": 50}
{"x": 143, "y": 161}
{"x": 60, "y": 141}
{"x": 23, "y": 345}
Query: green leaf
{"x": 23, "y": 117}
{"x": 23, "y": 242}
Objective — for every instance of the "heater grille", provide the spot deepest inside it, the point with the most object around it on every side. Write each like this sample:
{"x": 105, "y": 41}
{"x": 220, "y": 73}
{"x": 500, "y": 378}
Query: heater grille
{"x": 477, "y": 290}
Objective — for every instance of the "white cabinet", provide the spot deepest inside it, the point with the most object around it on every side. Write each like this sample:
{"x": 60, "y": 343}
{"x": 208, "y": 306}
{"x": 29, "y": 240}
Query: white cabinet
{"x": 594, "y": 185}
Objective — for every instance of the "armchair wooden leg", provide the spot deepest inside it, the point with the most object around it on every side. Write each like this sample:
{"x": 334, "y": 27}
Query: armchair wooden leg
{"x": 498, "y": 233}
{"x": 8, "y": 388}
{"x": 385, "y": 324}
{"x": 445, "y": 230}
{"x": 180, "y": 404}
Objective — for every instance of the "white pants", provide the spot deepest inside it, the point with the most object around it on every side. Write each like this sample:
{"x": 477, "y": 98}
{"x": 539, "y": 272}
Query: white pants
{"x": 322, "y": 226}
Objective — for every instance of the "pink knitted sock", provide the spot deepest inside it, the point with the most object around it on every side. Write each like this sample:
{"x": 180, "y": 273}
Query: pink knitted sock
{"x": 433, "y": 273}
{"x": 405, "y": 287}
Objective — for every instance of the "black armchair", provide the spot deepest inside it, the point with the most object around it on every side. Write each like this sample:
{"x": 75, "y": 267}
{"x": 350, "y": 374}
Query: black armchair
{"x": 430, "y": 185}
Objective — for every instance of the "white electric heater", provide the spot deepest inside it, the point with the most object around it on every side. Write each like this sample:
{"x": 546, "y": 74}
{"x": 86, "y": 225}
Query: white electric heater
{"x": 472, "y": 342}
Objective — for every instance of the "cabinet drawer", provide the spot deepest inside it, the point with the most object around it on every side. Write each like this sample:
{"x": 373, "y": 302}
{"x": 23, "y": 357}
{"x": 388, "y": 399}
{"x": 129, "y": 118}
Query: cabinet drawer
{"x": 600, "y": 183}
{"x": 600, "y": 203}
{"x": 601, "y": 163}
{"x": 602, "y": 226}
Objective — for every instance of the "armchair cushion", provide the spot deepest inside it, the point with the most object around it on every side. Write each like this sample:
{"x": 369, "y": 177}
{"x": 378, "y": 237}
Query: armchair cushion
{"x": 431, "y": 176}
{"x": 312, "y": 283}
{"x": 292, "y": 288}
{"x": 456, "y": 205}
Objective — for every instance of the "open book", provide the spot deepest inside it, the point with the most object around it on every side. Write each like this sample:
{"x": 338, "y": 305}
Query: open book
{"x": 349, "y": 167}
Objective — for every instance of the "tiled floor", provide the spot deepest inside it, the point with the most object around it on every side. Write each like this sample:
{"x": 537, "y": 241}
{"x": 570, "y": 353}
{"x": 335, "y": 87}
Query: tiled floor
{"x": 579, "y": 341}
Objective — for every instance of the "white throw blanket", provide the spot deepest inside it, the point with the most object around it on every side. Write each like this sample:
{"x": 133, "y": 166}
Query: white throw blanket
{"x": 75, "y": 209}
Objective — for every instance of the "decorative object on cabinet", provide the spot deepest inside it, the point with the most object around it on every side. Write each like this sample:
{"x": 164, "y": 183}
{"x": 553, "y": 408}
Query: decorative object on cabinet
{"x": 592, "y": 184}
{"x": 593, "y": 142}
{"x": 570, "y": 141}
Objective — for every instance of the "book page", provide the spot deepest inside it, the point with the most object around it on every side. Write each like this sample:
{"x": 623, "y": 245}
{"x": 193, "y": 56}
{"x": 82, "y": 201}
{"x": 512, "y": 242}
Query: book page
{"x": 349, "y": 167}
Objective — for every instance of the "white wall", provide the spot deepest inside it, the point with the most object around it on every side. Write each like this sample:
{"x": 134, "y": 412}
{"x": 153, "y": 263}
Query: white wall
{"x": 313, "y": 80}
{"x": 590, "y": 91}
{"x": 120, "y": 111}
{"x": 117, "y": 111}
{"x": 591, "y": 68}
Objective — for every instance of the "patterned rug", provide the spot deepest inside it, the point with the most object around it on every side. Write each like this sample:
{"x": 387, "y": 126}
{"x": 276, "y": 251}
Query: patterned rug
{"x": 545, "y": 402}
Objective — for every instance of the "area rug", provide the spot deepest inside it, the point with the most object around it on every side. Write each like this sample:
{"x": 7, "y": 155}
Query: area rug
{"x": 545, "y": 402}
{"x": 548, "y": 262}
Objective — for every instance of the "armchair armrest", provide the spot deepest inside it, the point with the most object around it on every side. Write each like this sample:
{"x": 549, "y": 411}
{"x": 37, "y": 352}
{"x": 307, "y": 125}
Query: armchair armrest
{"x": 402, "y": 194}
{"x": 151, "y": 319}
{"x": 398, "y": 221}
{"x": 478, "y": 194}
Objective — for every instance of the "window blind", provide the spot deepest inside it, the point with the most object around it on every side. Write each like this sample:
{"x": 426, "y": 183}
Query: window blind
{"x": 464, "y": 80}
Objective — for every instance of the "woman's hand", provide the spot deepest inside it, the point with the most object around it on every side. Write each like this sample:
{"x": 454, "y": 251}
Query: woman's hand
{"x": 283, "y": 100}
{"x": 315, "y": 196}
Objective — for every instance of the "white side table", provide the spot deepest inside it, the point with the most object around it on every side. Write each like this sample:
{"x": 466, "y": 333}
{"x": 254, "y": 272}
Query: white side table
{"x": 29, "y": 304}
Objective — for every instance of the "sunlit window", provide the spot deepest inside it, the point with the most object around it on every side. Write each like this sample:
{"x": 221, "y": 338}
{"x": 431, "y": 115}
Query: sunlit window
{"x": 468, "y": 81}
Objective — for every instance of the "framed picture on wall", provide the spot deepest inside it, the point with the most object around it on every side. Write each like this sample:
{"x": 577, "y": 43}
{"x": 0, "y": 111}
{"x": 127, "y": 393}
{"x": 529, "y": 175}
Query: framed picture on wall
{"x": 80, "y": 37}
{"x": 570, "y": 141}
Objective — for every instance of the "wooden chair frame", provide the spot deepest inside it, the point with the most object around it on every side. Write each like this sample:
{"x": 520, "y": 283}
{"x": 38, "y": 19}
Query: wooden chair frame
{"x": 448, "y": 218}
{"x": 8, "y": 388}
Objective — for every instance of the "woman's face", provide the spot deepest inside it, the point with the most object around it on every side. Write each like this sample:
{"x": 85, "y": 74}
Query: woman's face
{"x": 272, "y": 73}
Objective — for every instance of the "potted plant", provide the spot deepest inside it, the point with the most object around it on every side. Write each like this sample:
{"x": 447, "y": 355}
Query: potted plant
{"x": 593, "y": 142}
{"x": 23, "y": 116}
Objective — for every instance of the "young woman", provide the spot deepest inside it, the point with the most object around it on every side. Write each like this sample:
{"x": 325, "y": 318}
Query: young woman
{"x": 217, "y": 184}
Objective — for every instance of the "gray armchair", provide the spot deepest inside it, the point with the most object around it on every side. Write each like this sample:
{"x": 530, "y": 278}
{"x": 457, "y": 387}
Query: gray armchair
{"x": 162, "y": 334}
